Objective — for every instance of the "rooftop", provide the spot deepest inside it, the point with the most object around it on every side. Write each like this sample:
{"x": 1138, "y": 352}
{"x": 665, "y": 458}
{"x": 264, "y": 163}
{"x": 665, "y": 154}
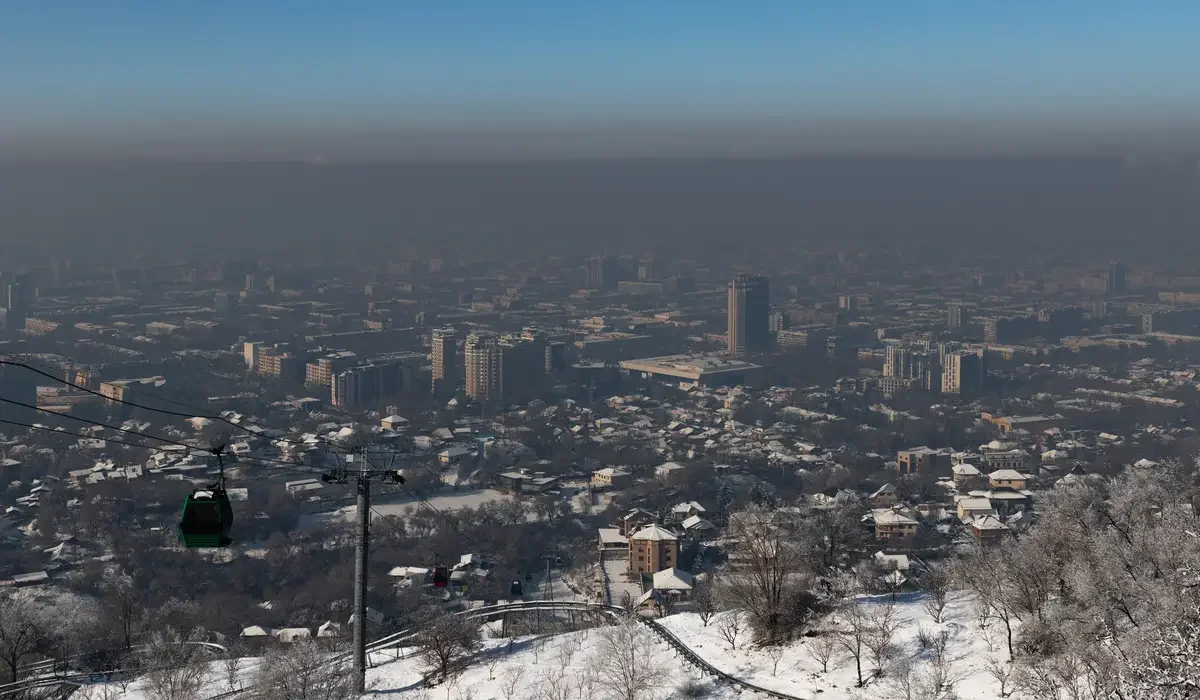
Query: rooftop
{"x": 689, "y": 366}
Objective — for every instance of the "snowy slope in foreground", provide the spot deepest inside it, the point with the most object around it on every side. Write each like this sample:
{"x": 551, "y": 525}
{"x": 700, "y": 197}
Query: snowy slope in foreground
{"x": 798, "y": 674}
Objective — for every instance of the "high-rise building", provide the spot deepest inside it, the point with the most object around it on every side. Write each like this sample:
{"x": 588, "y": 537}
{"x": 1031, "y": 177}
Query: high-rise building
{"x": 277, "y": 362}
{"x": 481, "y": 357}
{"x": 556, "y": 357}
{"x": 956, "y": 316}
{"x": 18, "y": 295}
{"x": 20, "y": 385}
{"x": 250, "y": 351}
{"x": 602, "y": 272}
{"x": 444, "y": 356}
{"x": 749, "y": 309}
{"x": 848, "y": 303}
{"x": 320, "y": 373}
{"x": 368, "y": 384}
{"x": 522, "y": 365}
{"x": 962, "y": 372}
{"x": 1117, "y": 278}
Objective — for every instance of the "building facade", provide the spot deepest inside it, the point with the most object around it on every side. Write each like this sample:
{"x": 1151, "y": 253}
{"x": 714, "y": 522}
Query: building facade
{"x": 481, "y": 354}
{"x": 444, "y": 355}
{"x": 652, "y": 549}
{"x": 749, "y": 314}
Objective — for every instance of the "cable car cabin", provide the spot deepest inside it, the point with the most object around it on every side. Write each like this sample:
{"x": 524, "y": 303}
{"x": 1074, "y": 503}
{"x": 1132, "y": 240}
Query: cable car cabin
{"x": 516, "y": 589}
{"x": 440, "y": 577}
{"x": 207, "y": 519}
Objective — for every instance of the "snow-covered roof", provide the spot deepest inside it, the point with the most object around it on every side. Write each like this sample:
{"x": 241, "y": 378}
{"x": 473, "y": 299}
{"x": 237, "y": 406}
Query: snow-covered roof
{"x": 673, "y": 580}
{"x": 1006, "y": 475}
{"x": 654, "y": 533}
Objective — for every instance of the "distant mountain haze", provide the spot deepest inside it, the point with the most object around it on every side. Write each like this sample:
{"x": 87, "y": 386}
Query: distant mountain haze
{"x": 526, "y": 209}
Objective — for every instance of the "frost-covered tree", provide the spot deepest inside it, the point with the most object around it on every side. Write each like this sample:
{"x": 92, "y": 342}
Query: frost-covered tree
{"x": 1106, "y": 586}
{"x": 627, "y": 667}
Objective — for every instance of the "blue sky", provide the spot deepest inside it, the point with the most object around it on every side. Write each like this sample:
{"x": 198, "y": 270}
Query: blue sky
{"x": 84, "y": 72}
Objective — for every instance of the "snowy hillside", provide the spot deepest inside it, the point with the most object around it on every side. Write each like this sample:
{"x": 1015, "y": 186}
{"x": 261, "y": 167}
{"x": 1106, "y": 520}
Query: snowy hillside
{"x": 533, "y": 666}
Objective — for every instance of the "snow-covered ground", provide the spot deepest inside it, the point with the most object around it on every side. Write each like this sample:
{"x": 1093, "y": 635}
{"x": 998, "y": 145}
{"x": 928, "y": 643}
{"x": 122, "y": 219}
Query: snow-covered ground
{"x": 400, "y": 505}
{"x": 618, "y": 584}
{"x": 799, "y": 674}
{"x": 398, "y": 673}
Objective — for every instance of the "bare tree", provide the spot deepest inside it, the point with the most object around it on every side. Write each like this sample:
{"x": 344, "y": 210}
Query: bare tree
{"x": 911, "y": 680}
{"x": 492, "y": 664}
{"x": 20, "y": 635}
{"x": 775, "y": 654}
{"x": 627, "y": 666}
{"x": 881, "y": 632}
{"x": 822, "y": 648}
{"x": 445, "y": 640}
{"x": 554, "y": 684}
{"x": 704, "y": 599}
{"x": 176, "y": 665}
{"x": 586, "y": 680}
{"x": 1001, "y": 671}
{"x": 838, "y": 530}
{"x": 510, "y": 682}
{"x": 854, "y": 637}
{"x": 730, "y": 626}
{"x": 231, "y": 666}
{"x": 774, "y": 551}
{"x": 936, "y": 583}
{"x": 299, "y": 671}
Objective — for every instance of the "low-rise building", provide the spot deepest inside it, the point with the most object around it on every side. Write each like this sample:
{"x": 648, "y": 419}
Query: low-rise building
{"x": 923, "y": 460}
{"x": 610, "y": 477}
{"x": 894, "y": 527}
{"x": 1008, "y": 478}
{"x": 652, "y": 549}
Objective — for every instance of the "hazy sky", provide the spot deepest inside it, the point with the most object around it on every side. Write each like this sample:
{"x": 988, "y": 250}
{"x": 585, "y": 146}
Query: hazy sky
{"x": 300, "y": 79}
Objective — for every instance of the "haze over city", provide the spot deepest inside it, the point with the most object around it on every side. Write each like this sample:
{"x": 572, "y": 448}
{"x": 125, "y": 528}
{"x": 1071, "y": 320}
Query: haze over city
{"x": 619, "y": 351}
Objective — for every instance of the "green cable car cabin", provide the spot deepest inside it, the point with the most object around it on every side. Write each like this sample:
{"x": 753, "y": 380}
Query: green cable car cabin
{"x": 207, "y": 519}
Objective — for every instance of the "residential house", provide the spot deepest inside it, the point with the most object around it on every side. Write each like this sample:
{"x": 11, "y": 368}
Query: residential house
{"x": 923, "y": 460}
{"x": 1006, "y": 501}
{"x": 673, "y": 583}
{"x": 635, "y": 520}
{"x": 610, "y": 477}
{"x": 894, "y": 527}
{"x": 1014, "y": 458}
{"x": 988, "y": 528}
{"x": 670, "y": 474}
{"x": 885, "y": 496}
{"x": 695, "y": 526}
{"x": 652, "y": 549}
{"x": 683, "y": 511}
{"x": 967, "y": 477}
{"x": 972, "y": 507}
{"x": 287, "y": 635}
{"x": 613, "y": 544}
{"x": 1008, "y": 478}
{"x": 513, "y": 482}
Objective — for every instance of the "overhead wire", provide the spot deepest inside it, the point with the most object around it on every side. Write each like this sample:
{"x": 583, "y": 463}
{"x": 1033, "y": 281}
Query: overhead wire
{"x": 289, "y": 466}
{"x": 199, "y": 413}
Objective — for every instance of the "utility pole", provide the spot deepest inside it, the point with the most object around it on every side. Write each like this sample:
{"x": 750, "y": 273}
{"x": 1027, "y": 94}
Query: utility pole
{"x": 362, "y": 479}
{"x": 362, "y": 545}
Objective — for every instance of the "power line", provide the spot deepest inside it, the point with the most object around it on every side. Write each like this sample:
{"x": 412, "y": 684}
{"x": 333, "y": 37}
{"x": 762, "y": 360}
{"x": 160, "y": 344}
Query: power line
{"x": 288, "y": 467}
{"x": 200, "y": 413}
{"x": 102, "y": 425}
